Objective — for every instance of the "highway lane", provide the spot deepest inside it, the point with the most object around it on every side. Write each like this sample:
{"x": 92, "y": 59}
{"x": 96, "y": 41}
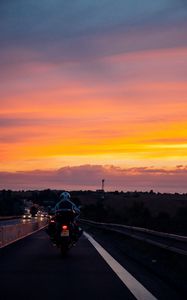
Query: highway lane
{"x": 17, "y": 221}
{"x": 10, "y": 222}
{"x": 35, "y": 270}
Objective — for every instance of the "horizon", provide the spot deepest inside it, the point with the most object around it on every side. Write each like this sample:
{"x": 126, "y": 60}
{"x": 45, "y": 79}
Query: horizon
{"x": 91, "y": 91}
{"x": 95, "y": 191}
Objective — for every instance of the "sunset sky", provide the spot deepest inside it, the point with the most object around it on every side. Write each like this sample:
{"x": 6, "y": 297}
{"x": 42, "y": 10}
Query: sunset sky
{"x": 91, "y": 90}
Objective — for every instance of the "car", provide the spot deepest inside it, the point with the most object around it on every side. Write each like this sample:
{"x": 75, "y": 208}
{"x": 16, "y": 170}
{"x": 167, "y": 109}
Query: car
{"x": 42, "y": 214}
{"x": 39, "y": 214}
{"x": 27, "y": 216}
{"x": 45, "y": 214}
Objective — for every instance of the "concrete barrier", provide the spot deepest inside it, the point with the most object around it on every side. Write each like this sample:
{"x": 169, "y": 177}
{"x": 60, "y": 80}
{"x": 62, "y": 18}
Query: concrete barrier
{"x": 12, "y": 233}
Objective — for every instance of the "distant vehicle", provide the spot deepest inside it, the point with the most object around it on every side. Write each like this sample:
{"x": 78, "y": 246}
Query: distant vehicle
{"x": 46, "y": 214}
{"x": 42, "y": 214}
{"x": 27, "y": 216}
{"x": 33, "y": 211}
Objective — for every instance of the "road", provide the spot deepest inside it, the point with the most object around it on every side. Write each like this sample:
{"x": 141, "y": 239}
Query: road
{"x": 32, "y": 268}
{"x": 10, "y": 222}
{"x": 17, "y": 221}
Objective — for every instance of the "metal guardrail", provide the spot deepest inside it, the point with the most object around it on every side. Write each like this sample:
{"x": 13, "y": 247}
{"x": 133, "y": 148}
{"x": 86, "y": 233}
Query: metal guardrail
{"x": 12, "y": 233}
{"x": 172, "y": 242}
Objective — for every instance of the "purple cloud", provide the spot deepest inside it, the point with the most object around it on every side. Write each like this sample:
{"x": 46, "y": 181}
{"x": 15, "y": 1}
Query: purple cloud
{"x": 89, "y": 177}
{"x": 64, "y": 30}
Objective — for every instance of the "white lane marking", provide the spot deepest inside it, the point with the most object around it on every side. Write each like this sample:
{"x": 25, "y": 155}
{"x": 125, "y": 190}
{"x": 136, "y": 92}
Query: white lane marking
{"x": 136, "y": 288}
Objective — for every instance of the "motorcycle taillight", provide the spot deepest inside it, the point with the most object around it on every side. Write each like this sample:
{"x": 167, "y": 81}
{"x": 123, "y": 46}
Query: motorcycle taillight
{"x": 64, "y": 227}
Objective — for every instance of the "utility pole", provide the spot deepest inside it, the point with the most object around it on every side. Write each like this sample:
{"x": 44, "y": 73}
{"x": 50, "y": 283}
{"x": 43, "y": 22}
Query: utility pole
{"x": 103, "y": 184}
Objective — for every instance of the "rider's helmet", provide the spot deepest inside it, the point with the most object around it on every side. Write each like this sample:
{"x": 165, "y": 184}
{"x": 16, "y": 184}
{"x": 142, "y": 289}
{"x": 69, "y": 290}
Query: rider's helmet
{"x": 65, "y": 196}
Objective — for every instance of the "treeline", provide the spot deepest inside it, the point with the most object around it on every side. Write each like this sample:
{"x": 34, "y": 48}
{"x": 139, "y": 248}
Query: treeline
{"x": 13, "y": 203}
{"x": 163, "y": 212}
{"x": 138, "y": 214}
{"x": 10, "y": 204}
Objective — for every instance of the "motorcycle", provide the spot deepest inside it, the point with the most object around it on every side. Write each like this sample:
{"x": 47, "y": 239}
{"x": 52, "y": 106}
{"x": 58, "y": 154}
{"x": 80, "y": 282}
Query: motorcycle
{"x": 64, "y": 231}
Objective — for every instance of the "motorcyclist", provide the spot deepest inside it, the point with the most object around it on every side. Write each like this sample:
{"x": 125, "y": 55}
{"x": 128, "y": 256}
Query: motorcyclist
{"x": 67, "y": 210}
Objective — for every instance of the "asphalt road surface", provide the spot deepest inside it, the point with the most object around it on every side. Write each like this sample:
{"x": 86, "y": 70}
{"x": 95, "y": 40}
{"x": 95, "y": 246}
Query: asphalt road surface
{"x": 33, "y": 268}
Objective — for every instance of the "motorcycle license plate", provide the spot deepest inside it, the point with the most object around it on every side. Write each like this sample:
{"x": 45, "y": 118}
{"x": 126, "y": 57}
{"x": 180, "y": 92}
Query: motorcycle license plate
{"x": 65, "y": 233}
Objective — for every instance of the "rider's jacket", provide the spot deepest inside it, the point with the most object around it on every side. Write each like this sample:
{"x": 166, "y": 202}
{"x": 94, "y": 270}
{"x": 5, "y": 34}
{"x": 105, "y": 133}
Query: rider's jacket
{"x": 65, "y": 205}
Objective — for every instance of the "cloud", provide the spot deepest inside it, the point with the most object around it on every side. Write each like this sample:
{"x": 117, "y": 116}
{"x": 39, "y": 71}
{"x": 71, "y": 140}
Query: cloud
{"x": 82, "y": 30}
{"x": 89, "y": 177}
{"x": 73, "y": 18}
